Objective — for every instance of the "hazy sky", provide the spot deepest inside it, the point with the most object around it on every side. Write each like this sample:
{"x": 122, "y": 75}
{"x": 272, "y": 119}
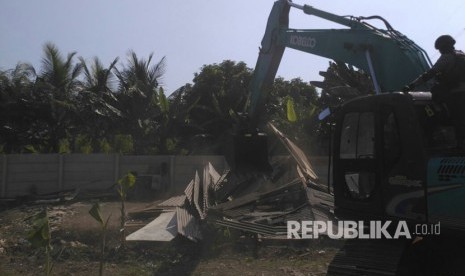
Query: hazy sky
{"x": 194, "y": 33}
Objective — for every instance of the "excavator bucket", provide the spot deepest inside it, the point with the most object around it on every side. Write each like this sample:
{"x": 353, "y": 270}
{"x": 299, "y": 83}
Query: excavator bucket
{"x": 249, "y": 153}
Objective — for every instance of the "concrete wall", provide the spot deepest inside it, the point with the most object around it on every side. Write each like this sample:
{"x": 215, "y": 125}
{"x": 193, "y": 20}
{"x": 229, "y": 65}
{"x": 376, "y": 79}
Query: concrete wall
{"x": 23, "y": 174}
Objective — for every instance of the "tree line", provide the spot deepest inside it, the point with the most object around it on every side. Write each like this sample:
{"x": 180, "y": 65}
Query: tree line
{"x": 71, "y": 105}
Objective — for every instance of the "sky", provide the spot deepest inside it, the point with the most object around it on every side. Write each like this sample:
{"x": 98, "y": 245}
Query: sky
{"x": 190, "y": 34}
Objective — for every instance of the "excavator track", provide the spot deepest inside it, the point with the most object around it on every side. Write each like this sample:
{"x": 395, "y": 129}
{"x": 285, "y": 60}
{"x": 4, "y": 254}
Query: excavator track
{"x": 368, "y": 257}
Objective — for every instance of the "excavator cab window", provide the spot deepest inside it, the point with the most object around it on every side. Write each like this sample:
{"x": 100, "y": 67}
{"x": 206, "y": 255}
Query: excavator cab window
{"x": 358, "y": 136}
{"x": 438, "y": 128}
{"x": 360, "y": 185}
{"x": 391, "y": 138}
{"x": 358, "y": 143}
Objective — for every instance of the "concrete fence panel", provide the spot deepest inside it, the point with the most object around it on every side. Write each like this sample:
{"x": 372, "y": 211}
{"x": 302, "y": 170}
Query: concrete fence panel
{"x": 24, "y": 174}
{"x": 88, "y": 171}
{"x": 29, "y": 174}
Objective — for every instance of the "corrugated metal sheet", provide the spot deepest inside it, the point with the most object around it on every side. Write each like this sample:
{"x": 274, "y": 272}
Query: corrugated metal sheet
{"x": 220, "y": 182}
{"x": 213, "y": 173}
{"x": 163, "y": 228}
{"x": 174, "y": 201}
{"x": 188, "y": 225}
{"x": 254, "y": 203}
{"x": 206, "y": 187}
{"x": 189, "y": 192}
{"x": 284, "y": 192}
{"x": 266, "y": 230}
{"x": 303, "y": 214}
{"x": 297, "y": 153}
{"x": 198, "y": 195}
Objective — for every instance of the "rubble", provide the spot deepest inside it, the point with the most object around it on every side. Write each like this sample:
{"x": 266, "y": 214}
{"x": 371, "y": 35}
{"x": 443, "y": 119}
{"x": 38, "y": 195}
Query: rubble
{"x": 258, "y": 203}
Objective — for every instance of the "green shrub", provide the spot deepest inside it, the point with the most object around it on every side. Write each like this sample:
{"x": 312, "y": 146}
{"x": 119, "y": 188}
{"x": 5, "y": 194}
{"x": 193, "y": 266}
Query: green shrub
{"x": 104, "y": 146}
{"x": 83, "y": 144}
{"x": 123, "y": 186}
{"x": 64, "y": 146}
{"x": 39, "y": 237}
{"x": 97, "y": 215}
{"x": 124, "y": 144}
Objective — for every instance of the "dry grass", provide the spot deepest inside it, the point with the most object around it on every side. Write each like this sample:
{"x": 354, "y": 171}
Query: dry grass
{"x": 75, "y": 238}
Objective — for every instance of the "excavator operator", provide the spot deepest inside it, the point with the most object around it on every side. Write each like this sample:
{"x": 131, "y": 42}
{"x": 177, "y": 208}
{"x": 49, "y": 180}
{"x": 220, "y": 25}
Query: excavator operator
{"x": 449, "y": 88}
{"x": 448, "y": 70}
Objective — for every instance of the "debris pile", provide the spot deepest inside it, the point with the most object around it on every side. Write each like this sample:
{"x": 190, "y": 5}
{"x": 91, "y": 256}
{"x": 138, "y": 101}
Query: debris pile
{"x": 253, "y": 202}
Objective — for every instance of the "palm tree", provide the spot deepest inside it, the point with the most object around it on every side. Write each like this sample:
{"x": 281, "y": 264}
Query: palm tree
{"x": 97, "y": 100}
{"x": 17, "y": 81}
{"x": 59, "y": 75}
{"x": 140, "y": 77}
{"x": 16, "y": 107}
{"x": 138, "y": 98}
{"x": 97, "y": 78}
{"x": 58, "y": 85}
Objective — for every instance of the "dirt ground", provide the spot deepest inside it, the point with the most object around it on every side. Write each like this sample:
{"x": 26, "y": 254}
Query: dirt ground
{"x": 76, "y": 240}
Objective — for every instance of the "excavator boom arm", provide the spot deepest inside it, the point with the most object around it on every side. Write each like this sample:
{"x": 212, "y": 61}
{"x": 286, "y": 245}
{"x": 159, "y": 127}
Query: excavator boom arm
{"x": 391, "y": 58}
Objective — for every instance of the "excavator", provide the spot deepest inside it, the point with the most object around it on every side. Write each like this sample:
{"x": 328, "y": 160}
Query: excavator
{"x": 394, "y": 156}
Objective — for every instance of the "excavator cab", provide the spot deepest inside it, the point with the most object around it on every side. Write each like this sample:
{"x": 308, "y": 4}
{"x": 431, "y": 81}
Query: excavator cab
{"x": 397, "y": 157}
{"x": 379, "y": 158}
